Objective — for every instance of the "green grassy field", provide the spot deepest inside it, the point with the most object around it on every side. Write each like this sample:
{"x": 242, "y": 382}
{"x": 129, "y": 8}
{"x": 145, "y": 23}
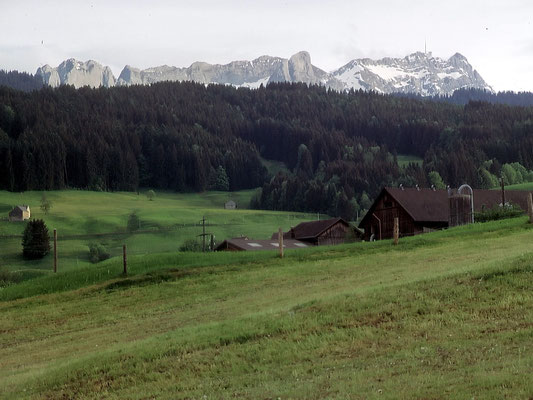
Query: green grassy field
{"x": 82, "y": 217}
{"x": 404, "y": 160}
{"x": 520, "y": 186}
{"x": 443, "y": 315}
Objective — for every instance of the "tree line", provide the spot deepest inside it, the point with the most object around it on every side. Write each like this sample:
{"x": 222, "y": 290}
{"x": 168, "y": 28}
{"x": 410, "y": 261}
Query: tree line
{"x": 339, "y": 148}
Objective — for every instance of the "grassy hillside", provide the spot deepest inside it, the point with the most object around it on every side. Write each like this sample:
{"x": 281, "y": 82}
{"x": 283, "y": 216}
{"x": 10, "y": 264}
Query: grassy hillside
{"x": 82, "y": 217}
{"x": 444, "y": 315}
{"x": 404, "y": 160}
{"x": 520, "y": 186}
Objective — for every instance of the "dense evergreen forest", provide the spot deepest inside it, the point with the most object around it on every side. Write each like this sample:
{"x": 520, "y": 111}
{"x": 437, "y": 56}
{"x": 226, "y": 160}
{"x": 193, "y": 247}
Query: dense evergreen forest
{"x": 466, "y": 95}
{"x": 20, "y": 80}
{"x": 339, "y": 148}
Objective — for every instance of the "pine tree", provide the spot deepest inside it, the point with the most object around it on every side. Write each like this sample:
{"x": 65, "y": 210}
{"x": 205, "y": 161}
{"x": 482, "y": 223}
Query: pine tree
{"x": 35, "y": 240}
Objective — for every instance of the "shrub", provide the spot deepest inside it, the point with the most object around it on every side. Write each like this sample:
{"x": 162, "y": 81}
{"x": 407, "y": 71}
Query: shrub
{"x": 35, "y": 240}
{"x": 8, "y": 277}
{"x": 97, "y": 252}
{"x": 134, "y": 223}
{"x": 191, "y": 245}
{"x": 497, "y": 212}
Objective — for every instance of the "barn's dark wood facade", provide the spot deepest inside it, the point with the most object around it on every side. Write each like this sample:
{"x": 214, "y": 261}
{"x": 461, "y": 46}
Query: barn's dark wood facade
{"x": 418, "y": 211}
{"x": 424, "y": 210}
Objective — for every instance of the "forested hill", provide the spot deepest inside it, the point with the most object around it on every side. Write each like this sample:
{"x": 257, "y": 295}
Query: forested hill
{"x": 20, "y": 80}
{"x": 466, "y": 95}
{"x": 340, "y": 147}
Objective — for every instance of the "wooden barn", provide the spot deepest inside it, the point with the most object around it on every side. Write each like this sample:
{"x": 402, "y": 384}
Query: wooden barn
{"x": 424, "y": 210}
{"x": 20, "y": 213}
{"x": 326, "y": 232}
{"x": 245, "y": 244}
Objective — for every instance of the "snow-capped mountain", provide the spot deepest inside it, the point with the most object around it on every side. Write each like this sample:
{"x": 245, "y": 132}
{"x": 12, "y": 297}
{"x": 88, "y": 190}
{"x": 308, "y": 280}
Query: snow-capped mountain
{"x": 417, "y": 73}
{"x": 77, "y": 74}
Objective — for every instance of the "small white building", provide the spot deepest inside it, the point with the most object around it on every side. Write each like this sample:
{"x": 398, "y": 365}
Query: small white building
{"x": 20, "y": 213}
{"x": 230, "y": 205}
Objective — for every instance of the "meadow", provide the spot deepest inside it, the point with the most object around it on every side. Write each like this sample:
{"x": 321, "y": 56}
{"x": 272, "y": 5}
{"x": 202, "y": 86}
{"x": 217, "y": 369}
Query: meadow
{"x": 520, "y": 186}
{"x": 443, "y": 315}
{"x": 83, "y": 217}
{"x": 405, "y": 159}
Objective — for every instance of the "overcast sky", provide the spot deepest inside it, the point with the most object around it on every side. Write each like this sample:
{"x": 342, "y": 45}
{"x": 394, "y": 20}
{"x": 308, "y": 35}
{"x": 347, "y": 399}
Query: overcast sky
{"x": 495, "y": 36}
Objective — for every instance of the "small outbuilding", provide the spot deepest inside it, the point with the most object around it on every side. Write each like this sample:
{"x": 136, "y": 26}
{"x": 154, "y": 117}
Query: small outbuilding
{"x": 230, "y": 205}
{"x": 20, "y": 213}
{"x": 317, "y": 233}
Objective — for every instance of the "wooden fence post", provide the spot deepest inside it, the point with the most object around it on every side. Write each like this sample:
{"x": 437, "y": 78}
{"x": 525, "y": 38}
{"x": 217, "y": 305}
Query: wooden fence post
{"x": 396, "y": 232}
{"x": 125, "y": 259}
{"x": 55, "y": 250}
{"x": 530, "y": 207}
{"x": 280, "y": 242}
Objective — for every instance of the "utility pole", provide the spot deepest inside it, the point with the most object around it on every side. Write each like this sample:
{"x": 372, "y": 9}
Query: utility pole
{"x": 203, "y": 234}
{"x": 125, "y": 259}
{"x": 503, "y": 191}
{"x": 55, "y": 250}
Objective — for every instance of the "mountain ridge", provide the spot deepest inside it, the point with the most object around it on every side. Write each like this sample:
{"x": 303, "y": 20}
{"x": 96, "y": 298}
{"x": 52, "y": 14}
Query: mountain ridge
{"x": 418, "y": 73}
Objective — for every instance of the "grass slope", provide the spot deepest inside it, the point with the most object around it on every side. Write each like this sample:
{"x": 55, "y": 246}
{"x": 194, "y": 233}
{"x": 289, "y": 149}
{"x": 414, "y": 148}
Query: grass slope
{"x": 520, "y": 186}
{"x": 445, "y": 315}
{"x": 404, "y": 160}
{"x": 82, "y": 217}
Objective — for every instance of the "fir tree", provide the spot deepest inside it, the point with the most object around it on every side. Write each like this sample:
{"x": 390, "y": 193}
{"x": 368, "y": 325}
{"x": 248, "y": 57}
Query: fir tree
{"x": 35, "y": 240}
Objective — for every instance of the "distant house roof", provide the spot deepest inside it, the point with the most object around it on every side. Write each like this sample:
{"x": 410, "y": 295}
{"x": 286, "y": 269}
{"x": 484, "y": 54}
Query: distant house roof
{"x": 312, "y": 229}
{"x": 19, "y": 210}
{"x": 245, "y": 244}
{"x": 428, "y": 205}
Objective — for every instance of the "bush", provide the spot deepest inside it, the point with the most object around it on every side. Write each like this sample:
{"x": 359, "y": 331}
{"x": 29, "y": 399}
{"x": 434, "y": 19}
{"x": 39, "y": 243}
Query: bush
{"x": 191, "y": 245}
{"x": 8, "y": 277}
{"x": 134, "y": 223}
{"x": 35, "y": 240}
{"x": 97, "y": 252}
{"x": 497, "y": 212}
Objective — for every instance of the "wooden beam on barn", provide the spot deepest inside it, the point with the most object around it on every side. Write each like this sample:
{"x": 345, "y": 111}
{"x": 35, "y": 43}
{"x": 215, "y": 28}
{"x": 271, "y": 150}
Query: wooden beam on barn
{"x": 396, "y": 230}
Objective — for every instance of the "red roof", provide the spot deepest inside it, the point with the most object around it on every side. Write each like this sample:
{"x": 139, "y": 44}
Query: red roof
{"x": 428, "y": 205}
{"x": 311, "y": 229}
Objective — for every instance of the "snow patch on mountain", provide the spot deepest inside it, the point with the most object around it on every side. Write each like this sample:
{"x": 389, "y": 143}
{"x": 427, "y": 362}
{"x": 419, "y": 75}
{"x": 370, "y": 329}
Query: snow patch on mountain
{"x": 416, "y": 73}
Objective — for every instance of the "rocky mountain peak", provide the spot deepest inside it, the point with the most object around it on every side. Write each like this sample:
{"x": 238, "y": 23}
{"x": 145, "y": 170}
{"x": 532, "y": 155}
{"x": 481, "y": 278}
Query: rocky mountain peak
{"x": 77, "y": 73}
{"x": 419, "y": 72}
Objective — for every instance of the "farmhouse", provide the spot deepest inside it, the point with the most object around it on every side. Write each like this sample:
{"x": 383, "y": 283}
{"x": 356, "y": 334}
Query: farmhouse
{"x": 20, "y": 213}
{"x": 230, "y": 205}
{"x": 245, "y": 244}
{"x": 316, "y": 233}
{"x": 424, "y": 210}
